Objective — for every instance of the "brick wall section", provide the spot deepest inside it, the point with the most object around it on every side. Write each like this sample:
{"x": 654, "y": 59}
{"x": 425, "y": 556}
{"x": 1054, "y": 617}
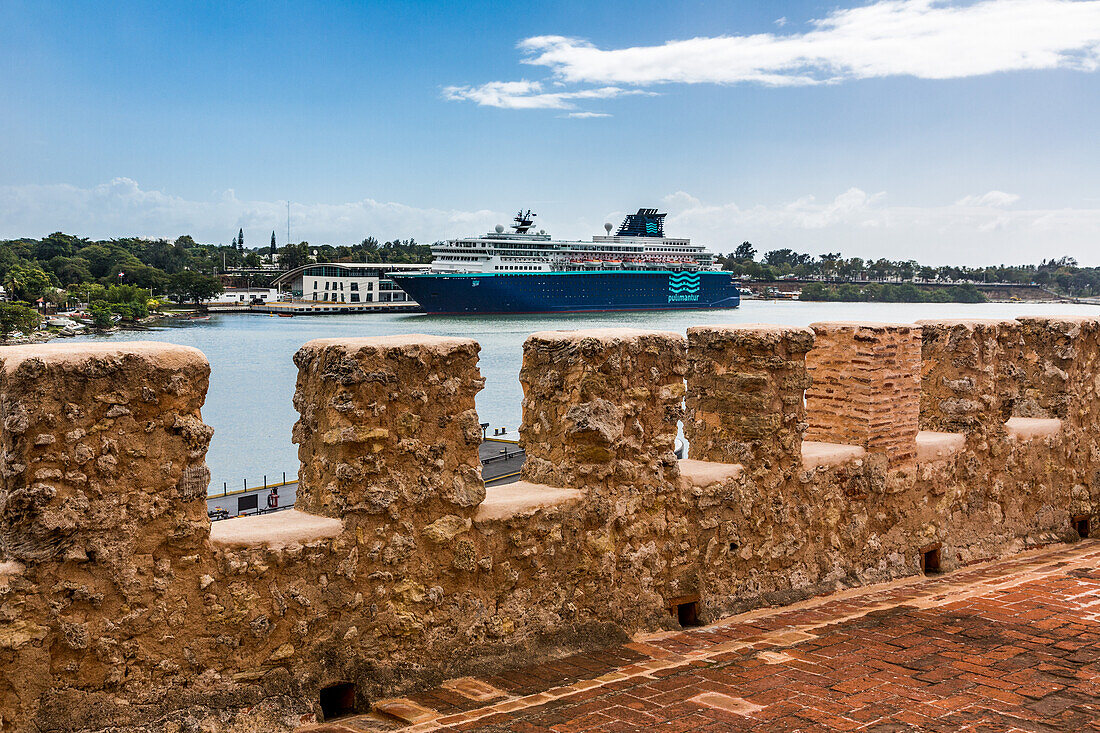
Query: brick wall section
{"x": 388, "y": 423}
{"x": 600, "y": 404}
{"x": 745, "y": 401}
{"x": 865, "y": 387}
{"x": 968, "y": 375}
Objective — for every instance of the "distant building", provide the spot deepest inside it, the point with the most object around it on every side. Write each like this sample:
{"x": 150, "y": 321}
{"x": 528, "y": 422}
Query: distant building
{"x": 238, "y": 296}
{"x": 345, "y": 282}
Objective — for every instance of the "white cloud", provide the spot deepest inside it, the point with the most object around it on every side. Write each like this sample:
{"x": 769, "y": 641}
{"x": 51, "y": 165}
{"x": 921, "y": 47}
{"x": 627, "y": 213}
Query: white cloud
{"x": 781, "y": 21}
{"x": 529, "y": 95}
{"x": 586, "y": 115}
{"x": 927, "y": 39}
{"x": 992, "y": 198}
{"x": 974, "y": 230}
{"x": 121, "y": 207}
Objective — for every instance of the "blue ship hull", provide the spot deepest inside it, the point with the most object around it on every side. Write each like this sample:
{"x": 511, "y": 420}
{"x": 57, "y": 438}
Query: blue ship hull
{"x": 569, "y": 292}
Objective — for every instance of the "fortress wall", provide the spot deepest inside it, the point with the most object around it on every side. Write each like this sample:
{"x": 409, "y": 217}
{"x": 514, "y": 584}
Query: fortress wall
{"x": 388, "y": 425}
{"x": 969, "y": 377}
{"x": 745, "y": 394}
{"x": 601, "y": 406}
{"x": 600, "y": 412}
{"x": 865, "y": 387}
{"x": 102, "y": 506}
{"x": 405, "y": 570}
{"x": 1059, "y": 358}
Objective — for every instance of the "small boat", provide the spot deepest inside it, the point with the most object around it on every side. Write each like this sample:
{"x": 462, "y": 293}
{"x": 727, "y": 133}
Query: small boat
{"x": 286, "y": 315}
{"x": 199, "y": 318}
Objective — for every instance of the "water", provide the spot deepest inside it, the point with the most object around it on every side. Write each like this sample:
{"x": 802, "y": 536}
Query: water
{"x": 252, "y": 375}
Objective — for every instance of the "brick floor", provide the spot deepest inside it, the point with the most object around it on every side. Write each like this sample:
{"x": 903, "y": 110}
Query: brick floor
{"x": 1011, "y": 645}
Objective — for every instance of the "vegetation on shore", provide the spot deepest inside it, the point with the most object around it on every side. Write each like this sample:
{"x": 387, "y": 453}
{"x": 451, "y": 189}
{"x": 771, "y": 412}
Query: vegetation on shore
{"x": 892, "y": 293}
{"x": 17, "y": 317}
{"x": 61, "y": 260}
{"x": 1062, "y": 275}
{"x": 118, "y": 278}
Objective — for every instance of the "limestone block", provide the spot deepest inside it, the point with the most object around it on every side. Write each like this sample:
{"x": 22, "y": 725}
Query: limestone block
{"x": 745, "y": 394}
{"x": 103, "y": 450}
{"x": 968, "y": 375}
{"x": 1061, "y": 358}
{"x": 865, "y": 387}
{"x": 388, "y": 423}
{"x": 601, "y": 402}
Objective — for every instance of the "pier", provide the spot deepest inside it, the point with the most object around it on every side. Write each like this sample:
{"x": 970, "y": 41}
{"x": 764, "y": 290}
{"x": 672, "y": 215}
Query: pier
{"x": 313, "y": 308}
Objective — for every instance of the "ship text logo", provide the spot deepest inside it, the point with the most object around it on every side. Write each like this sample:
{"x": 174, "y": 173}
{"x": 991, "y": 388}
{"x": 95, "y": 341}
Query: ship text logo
{"x": 683, "y": 287}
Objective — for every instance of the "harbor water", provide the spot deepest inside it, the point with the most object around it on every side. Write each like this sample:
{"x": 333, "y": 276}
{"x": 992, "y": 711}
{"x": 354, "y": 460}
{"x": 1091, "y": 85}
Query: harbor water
{"x": 252, "y": 372}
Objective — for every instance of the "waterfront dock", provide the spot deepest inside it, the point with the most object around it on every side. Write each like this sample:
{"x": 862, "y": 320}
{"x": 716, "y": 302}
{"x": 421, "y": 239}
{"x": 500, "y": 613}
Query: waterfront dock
{"x": 313, "y": 308}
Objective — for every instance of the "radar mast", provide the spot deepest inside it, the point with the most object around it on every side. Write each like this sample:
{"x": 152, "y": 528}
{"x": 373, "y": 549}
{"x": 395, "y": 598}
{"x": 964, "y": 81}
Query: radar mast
{"x": 524, "y": 221}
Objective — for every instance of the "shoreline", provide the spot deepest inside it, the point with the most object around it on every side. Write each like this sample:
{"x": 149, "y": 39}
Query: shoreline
{"x": 46, "y": 335}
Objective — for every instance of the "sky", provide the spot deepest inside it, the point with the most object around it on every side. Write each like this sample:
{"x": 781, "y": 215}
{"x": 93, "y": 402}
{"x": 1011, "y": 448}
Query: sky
{"x": 947, "y": 132}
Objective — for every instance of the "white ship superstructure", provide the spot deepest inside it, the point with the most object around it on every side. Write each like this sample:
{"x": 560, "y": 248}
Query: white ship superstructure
{"x": 639, "y": 244}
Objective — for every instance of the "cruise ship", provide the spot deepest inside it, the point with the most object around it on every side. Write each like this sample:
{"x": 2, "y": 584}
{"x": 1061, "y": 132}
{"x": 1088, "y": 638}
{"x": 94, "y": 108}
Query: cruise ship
{"x": 527, "y": 271}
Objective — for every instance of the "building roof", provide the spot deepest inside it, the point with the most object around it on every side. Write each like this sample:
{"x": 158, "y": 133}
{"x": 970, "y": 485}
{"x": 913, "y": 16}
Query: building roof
{"x": 290, "y": 275}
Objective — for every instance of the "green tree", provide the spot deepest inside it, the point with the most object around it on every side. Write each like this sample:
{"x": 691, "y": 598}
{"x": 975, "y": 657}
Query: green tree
{"x": 745, "y": 252}
{"x": 101, "y": 314}
{"x": 294, "y": 255}
{"x": 99, "y": 257}
{"x": 143, "y": 276}
{"x": 27, "y": 283}
{"x": 15, "y": 317}
{"x": 194, "y": 286}
{"x": 70, "y": 270}
{"x": 57, "y": 245}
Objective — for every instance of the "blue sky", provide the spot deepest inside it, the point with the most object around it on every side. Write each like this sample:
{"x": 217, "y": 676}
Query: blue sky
{"x": 942, "y": 131}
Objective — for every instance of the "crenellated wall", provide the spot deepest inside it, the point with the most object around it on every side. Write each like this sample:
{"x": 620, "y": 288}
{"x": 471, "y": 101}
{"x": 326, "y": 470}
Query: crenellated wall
{"x": 820, "y": 459}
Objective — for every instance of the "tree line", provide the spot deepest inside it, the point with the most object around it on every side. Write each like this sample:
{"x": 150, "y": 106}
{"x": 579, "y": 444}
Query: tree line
{"x": 123, "y": 276}
{"x": 1062, "y": 274}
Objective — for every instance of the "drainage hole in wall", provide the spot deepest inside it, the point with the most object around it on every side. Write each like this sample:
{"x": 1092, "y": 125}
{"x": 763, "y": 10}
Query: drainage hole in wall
{"x": 930, "y": 561}
{"x": 338, "y": 700}
{"x": 1081, "y": 525}
{"x": 687, "y": 614}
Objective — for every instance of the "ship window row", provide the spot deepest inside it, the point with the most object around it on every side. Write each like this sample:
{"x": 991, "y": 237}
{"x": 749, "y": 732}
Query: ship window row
{"x": 519, "y": 268}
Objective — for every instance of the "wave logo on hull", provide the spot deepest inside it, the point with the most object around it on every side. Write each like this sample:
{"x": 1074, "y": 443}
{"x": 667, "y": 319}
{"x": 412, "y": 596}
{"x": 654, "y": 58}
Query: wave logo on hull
{"x": 683, "y": 287}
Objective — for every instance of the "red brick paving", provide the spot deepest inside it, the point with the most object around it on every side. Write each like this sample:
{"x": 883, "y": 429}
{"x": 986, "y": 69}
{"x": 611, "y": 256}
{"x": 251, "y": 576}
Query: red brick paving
{"x": 1010, "y": 645}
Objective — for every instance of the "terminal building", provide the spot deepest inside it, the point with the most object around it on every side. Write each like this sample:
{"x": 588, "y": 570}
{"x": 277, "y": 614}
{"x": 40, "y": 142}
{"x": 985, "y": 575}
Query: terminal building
{"x": 345, "y": 282}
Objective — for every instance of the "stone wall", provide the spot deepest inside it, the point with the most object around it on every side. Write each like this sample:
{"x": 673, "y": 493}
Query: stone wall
{"x": 122, "y": 608}
{"x": 601, "y": 406}
{"x": 388, "y": 424}
{"x": 969, "y": 376}
{"x": 746, "y": 387}
{"x": 102, "y": 504}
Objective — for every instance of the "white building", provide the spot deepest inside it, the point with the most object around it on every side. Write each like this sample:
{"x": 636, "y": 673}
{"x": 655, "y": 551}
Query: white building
{"x": 245, "y": 296}
{"x": 345, "y": 282}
